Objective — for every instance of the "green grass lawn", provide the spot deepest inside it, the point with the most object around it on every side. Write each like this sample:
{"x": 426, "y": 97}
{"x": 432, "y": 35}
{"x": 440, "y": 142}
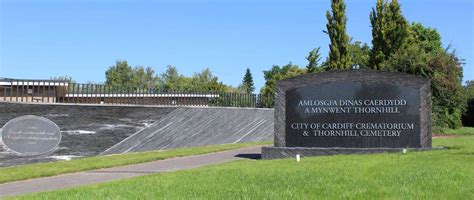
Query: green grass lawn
{"x": 437, "y": 174}
{"x": 459, "y": 131}
{"x": 23, "y": 172}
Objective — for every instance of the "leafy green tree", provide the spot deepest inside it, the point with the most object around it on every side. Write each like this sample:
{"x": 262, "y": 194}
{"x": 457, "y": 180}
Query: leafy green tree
{"x": 120, "y": 75}
{"x": 144, "y": 78}
{"x": 412, "y": 60}
{"x": 360, "y": 54}
{"x": 247, "y": 82}
{"x": 423, "y": 57}
{"x": 127, "y": 78}
{"x": 339, "y": 56}
{"x": 468, "y": 117}
{"x": 205, "y": 81}
{"x": 390, "y": 32}
{"x": 415, "y": 49}
{"x": 313, "y": 61}
{"x": 171, "y": 80}
{"x": 445, "y": 72}
{"x": 275, "y": 74}
{"x": 426, "y": 38}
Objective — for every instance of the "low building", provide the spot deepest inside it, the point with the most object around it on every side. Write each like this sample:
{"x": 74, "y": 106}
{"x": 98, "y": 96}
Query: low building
{"x": 28, "y": 90}
{"x": 59, "y": 91}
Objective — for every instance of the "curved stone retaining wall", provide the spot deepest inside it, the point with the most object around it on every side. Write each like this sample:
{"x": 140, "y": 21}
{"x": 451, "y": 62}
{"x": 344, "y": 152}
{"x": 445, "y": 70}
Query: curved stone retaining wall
{"x": 89, "y": 130}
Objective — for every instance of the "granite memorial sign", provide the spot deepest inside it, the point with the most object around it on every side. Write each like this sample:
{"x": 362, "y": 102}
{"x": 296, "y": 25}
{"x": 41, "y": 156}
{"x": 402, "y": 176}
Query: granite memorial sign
{"x": 350, "y": 111}
{"x": 31, "y": 135}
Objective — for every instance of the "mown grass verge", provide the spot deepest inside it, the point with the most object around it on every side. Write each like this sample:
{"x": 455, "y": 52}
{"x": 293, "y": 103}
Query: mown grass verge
{"x": 9, "y": 174}
{"x": 437, "y": 174}
{"x": 460, "y": 131}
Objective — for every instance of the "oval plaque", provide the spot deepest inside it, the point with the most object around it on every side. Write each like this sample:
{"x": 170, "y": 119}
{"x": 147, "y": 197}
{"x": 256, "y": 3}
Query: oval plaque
{"x": 31, "y": 135}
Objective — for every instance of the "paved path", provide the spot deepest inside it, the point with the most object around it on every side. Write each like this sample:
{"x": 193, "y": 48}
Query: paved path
{"x": 109, "y": 174}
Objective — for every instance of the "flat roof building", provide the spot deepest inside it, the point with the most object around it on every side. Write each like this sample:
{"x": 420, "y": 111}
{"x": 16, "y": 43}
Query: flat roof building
{"x": 60, "y": 91}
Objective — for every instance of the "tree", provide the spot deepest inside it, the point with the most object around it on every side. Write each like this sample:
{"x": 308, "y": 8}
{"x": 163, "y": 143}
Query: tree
{"x": 275, "y": 74}
{"x": 412, "y": 60}
{"x": 416, "y": 49}
{"x": 445, "y": 72}
{"x": 339, "y": 57}
{"x": 313, "y": 61}
{"x": 468, "y": 116}
{"x": 205, "y": 81}
{"x": 427, "y": 38}
{"x": 359, "y": 55}
{"x": 144, "y": 78}
{"x": 389, "y": 32}
{"x": 247, "y": 82}
{"x": 422, "y": 56}
{"x": 120, "y": 75}
{"x": 127, "y": 78}
{"x": 171, "y": 80}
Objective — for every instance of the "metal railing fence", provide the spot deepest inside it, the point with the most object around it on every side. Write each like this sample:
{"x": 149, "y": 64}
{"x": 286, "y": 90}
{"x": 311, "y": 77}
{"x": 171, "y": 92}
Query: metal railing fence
{"x": 50, "y": 91}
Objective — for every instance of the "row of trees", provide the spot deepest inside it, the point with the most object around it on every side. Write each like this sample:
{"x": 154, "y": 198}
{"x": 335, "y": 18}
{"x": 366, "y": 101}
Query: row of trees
{"x": 397, "y": 45}
{"x": 124, "y": 76}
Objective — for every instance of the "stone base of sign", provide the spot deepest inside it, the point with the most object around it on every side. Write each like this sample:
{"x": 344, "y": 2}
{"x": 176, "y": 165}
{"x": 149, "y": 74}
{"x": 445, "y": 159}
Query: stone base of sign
{"x": 291, "y": 152}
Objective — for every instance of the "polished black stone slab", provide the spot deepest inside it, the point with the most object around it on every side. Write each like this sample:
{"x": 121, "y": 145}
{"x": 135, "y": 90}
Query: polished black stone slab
{"x": 353, "y": 109}
{"x": 317, "y": 115}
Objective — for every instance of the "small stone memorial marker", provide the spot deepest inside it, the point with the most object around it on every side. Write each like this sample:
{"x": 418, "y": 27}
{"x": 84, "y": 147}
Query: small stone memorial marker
{"x": 350, "y": 111}
{"x": 31, "y": 135}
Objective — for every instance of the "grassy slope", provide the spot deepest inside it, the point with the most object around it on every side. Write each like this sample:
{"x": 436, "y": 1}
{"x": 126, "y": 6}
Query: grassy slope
{"x": 439, "y": 174}
{"x": 23, "y": 172}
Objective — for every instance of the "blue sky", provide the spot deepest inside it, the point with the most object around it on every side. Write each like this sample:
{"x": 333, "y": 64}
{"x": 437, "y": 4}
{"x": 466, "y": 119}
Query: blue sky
{"x": 41, "y": 39}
